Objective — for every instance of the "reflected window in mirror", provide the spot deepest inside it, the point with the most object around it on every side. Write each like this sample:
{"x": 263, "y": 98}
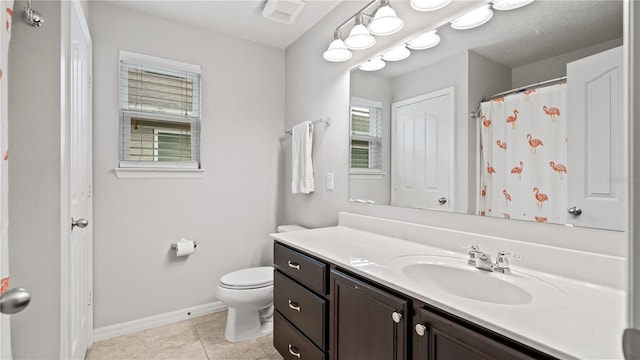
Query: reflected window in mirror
{"x": 366, "y": 136}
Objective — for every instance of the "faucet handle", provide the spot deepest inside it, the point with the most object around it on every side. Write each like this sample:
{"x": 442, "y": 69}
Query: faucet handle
{"x": 474, "y": 250}
{"x": 502, "y": 263}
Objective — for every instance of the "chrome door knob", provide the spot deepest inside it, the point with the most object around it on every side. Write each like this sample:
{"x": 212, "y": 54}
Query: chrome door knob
{"x": 442, "y": 200}
{"x": 14, "y": 301}
{"x": 421, "y": 329}
{"x": 81, "y": 223}
{"x": 574, "y": 210}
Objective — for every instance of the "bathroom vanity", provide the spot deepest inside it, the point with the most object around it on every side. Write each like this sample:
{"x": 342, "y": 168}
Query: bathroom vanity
{"x": 344, "y": 293}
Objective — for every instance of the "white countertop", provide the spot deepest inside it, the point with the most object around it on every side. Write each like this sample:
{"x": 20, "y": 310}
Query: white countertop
{"x": 577, "y": 320}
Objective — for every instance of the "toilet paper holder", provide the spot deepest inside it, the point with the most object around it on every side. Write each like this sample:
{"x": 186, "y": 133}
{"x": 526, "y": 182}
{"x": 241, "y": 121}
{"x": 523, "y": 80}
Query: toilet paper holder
{"x": 174, "y": 245}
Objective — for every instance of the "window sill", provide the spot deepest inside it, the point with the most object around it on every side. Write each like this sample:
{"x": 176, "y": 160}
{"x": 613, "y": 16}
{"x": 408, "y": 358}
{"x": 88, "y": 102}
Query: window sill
{"x": 147, "y": 173}
{"x": 366, "y": 175}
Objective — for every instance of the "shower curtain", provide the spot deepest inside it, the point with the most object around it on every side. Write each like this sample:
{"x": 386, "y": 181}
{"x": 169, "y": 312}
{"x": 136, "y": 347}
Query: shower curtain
{"x": 6, "y": 17}
{"x": 523, "y": 154}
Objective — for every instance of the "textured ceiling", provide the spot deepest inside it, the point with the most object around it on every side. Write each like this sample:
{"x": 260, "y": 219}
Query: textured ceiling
{"x": 241, "y": 18}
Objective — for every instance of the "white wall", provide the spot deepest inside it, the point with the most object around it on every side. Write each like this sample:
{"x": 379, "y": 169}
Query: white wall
{"x": 229, "y": 211}
{"x": 34, "y": 179}
{"x": 318, "y": 88}
{"x": 556, "y": 66}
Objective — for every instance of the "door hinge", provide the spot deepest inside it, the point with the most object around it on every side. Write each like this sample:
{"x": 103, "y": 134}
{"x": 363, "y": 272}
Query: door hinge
{"x": 89, "y": 304}
{"x": 90, "y": 82}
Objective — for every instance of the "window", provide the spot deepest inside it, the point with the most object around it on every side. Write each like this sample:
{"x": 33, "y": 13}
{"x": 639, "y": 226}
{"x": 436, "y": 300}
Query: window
{"x": 366, "y": 136}
{"x": 159, "y": 113}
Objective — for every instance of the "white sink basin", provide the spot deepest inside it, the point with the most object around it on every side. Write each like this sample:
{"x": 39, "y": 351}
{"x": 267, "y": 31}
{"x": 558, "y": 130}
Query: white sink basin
{"x": 454, "y": 276}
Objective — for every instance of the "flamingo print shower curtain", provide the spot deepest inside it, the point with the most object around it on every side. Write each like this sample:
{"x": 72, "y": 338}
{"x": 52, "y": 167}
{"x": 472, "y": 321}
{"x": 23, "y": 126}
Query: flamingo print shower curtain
{"x": 523, "y": 154}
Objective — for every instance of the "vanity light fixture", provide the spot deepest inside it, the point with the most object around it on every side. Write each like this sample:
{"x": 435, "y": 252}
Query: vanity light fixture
{"x": 385, "y": 20}
{"x": 510, "y": 4}
{"x": 473, "y": 18}
{"x": 359, "y": 37}
{"x": 429, "y": 5}
{"x": 373, "y": 64}
{"x": 396, "y": 54}
{"x": 337, "y": 50}
{"x": 425, "y": 41}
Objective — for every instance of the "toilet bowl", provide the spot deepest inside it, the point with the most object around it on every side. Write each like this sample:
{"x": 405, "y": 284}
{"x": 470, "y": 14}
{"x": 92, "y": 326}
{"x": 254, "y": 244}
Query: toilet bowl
{"x": 248, "y": 293}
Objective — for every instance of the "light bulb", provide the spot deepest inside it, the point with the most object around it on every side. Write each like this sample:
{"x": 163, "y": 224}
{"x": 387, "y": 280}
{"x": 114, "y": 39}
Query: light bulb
{"x": 337, "y": 50}
{"x": 396, "y": 54}
{"x": 373, "y": 64}
{"x": 510, "y": 4}
{"x": 385, "y": 20}
{"x": 424, "y": 41}
{"x": 429, "y": 5}
{"x": 473, "y": 18}
{"x": 359, "y": 37}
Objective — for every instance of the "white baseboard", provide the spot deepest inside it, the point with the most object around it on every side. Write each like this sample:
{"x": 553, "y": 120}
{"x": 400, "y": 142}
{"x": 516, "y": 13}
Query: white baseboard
{"x": 108, "y": 332}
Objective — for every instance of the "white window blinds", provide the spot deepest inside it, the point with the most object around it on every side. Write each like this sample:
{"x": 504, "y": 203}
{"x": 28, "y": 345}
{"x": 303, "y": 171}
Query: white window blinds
{"x": 366, "y": 134}
{"x": 159, "y": 113}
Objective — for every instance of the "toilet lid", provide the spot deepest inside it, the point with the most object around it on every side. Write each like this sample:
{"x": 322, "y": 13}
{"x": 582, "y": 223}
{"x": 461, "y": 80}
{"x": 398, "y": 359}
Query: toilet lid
{"x": 249, "y": 278}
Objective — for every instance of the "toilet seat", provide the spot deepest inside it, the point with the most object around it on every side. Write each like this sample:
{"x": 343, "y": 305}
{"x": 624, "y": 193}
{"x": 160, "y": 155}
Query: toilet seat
{"x": 247, "y": 279}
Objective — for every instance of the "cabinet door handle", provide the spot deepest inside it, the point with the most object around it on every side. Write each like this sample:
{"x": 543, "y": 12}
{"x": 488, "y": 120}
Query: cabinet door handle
{"x": 294, "y": 306}
{"x": 293, "y": 265}
{"x": 294, "y": 351}
{"x": 396, "y": 316}
{"x": 421, "y": 329}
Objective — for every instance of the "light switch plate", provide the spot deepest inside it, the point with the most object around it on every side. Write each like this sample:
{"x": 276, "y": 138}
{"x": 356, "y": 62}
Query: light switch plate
{"x": 329, "y": 181}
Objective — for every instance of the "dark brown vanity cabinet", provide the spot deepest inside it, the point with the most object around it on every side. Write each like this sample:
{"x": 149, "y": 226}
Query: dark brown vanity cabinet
{"x": 366, "y": 322}
{"x": 441, "y": 336}
{"x": 324, "y": 312}
{"x": 300, "y": 326}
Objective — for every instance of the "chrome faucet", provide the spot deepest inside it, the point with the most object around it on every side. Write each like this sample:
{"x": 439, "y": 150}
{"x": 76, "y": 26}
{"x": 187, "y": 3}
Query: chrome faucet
{"x": 482, "y": 260}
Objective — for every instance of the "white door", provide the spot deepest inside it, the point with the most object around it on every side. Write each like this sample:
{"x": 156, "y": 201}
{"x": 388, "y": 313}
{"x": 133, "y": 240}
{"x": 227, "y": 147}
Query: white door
{"x": 422, "y": 151}
{"x": 597, "y": 142}
{"x": 79, "y": 263}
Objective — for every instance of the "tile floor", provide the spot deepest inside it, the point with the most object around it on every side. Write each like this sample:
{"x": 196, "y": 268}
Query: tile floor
{"x": 200, "y": 338}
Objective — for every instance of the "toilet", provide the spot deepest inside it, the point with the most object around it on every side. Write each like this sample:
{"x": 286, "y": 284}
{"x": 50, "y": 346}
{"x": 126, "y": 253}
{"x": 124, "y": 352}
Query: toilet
{"x": 248, "y": 293}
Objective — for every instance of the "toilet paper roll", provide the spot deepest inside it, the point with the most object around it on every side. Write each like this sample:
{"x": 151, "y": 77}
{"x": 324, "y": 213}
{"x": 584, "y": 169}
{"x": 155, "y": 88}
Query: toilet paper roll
{"x": 184, "y": 247}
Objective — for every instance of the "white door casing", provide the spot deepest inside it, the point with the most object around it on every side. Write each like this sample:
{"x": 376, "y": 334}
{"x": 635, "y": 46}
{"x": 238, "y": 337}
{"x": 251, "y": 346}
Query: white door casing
{"x": 597, "y": 149}
{"x": 77, "y": 287}
{"x": 422, "y": 150}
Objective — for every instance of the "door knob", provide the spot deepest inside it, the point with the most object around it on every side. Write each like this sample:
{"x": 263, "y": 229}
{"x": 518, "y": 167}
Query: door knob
{"x": 574, "y": 210}
{"x": 442, "y": 200}
{"x": 81, "y": 223}
{"x": 14, "y": 300}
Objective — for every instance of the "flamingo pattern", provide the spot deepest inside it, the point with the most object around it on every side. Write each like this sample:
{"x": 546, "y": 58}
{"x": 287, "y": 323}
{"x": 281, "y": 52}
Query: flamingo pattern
{"x": 511, "y": 119}
{"x": 486, "y": 122}
{"x": 505, "y": 187}
{"x": 534, "y": 143}
{"x": 559, "y": 168}
{"x": 552, "y": 112}
{"x": 518, "y": 170}
{"x": 540, "y": 198}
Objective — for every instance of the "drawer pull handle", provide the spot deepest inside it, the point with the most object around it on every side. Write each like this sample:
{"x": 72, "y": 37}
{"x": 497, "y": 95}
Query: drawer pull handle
{"x": 294, "y": 306}
{"x": 421, "y": 329}
{"x": 396, "y": 316}
{"x": 294, "y": 351}
{"x": 294, "y": 265}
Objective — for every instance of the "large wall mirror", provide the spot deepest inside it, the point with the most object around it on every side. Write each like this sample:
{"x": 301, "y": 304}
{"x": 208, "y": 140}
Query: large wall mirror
{"x": 520, "y": 118}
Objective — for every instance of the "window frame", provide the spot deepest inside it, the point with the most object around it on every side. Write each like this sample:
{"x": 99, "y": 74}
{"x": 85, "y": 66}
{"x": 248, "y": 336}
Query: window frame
{"x": 127, "y": 168}
{"x": 369, "y": 172}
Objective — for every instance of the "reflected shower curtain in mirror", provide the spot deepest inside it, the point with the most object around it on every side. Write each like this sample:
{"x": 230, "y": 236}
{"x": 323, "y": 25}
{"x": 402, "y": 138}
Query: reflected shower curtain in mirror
{"x": 523, "y": 155}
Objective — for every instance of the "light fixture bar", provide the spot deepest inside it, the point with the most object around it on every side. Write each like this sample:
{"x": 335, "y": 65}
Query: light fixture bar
{"x": 361, "y": 11}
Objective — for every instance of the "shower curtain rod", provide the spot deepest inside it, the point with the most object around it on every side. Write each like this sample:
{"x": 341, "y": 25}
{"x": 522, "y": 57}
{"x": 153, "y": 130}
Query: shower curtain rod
{"x": 517, "y": 90}
{"x": 523, "y": 88}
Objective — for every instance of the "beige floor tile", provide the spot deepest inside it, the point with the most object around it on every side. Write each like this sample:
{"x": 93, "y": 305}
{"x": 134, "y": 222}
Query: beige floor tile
{"x": 245, "y": 350}
{"x": 220, "y": 316}
{"x": 211, "y": 330}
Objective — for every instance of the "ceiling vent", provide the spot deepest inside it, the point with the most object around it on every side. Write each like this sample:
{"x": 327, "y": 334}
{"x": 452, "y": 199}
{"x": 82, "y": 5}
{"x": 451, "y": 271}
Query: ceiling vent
{"x": 283, "y": 11}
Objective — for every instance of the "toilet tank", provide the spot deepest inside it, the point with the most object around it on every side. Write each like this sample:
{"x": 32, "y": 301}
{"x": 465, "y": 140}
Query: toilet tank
{"x": 287, "y": 228}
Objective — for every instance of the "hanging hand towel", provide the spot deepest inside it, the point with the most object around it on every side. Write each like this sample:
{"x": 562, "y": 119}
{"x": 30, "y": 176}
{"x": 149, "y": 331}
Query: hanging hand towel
{"x": 301, "y": 165}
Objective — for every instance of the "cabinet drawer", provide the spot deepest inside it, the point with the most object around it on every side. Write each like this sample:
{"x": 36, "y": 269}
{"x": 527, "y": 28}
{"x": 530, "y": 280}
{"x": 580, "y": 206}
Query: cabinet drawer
{"x": 302, "y": 308}
{"x": 303, "y": 268}
{"x": 290, "y": 343}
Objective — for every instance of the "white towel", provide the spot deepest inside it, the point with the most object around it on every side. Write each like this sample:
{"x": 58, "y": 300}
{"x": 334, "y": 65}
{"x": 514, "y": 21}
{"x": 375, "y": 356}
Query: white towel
{"x": 301, "y": 165}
